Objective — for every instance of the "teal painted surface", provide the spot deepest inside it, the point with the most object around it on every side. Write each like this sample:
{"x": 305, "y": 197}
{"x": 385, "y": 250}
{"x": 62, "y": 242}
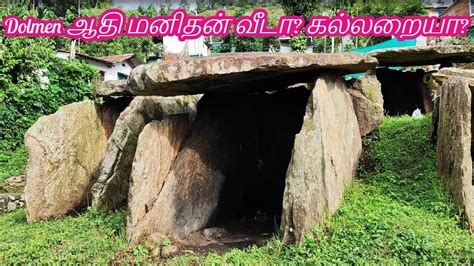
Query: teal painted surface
{"x": 393, "y": 43}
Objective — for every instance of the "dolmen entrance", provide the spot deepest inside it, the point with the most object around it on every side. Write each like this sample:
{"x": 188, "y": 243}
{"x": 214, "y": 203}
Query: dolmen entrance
{"x": 223, "y": 149}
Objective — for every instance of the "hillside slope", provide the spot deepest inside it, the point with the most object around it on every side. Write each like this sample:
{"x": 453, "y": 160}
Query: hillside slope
{"x": 395, "y": 212}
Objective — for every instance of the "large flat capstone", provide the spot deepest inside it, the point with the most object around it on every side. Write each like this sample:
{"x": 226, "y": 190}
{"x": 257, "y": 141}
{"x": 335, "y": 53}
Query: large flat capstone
{"x": 234, "y": 72}
{"x": 428, "y": 55}
{"x": 443, "y": 74}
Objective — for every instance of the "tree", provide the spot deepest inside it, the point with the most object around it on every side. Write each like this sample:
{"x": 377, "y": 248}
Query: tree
{"x": 201, "y": 6}
{"x": 166, "y": 9}
{"x": 375, "y": 8}
{"x": 35, "y": 82}
{"x": 299, "y": 43}
{"x": 303, "y": 8}
{"x": 140, "y": 46}
{"x": 184, "y": 4}
{"x": 59, "y": 7}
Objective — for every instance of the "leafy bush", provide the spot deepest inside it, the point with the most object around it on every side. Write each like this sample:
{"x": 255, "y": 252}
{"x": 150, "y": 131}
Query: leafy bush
{"x": 299, "y": 43}
{"x": 12, "y": 163}
{"x": 34, "y": 82}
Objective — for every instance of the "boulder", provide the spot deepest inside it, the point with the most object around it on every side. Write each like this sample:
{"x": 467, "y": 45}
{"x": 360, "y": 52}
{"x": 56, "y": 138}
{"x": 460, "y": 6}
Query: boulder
{"x": 110, "y": 191}
{"x": 157, "y": 147}
{"x": 424, "y": 55}
{"x": 236, "y": 72}
{"x": 65, "y": 152}
{"x": 454, "y": 143}
{"x": 367, "y": 98}
{"x": 324, "y": 159}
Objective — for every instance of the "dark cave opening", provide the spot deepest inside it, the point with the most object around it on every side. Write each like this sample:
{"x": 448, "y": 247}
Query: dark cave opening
{"x": 404, "y": 91}
{"x": 252, "y": 193}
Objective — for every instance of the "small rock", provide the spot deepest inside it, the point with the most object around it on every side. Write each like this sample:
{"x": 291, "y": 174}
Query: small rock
{"x": 155, "y": 252}
{"x": 169, "y": 251}
{"x": 215, "y": 232}
{"x": 16, "y": 181}
{"x": 11, "y": 206}
{"x": 11, "y": 198}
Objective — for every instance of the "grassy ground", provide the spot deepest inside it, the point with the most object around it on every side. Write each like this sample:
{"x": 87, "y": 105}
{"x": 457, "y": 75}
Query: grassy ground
{"x": 396, "y": 212}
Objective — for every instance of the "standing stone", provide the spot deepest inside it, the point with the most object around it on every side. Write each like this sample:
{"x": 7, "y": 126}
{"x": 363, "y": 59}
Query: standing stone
{"x": 367, "y": 98}
{"x": 324, "y": 160}
{"x": 212, "y": 152}
{"x": 157, "y": 147}
{"x": 110, "y": 191}
{"x": 454, "y": 143}
{"x": 434, "y": 120}
{"x": 65, "y": 152}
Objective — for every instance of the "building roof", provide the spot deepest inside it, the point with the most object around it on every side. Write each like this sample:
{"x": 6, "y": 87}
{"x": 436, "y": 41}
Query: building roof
{"x": 110, "y": 60}
{"x": 134, "y": 61}
{"x": 453, "y": 4}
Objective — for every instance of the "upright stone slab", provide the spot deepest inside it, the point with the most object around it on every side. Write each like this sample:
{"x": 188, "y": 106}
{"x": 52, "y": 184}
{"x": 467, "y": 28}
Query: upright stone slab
{"x": 366, "y": 94}
{"x": 110, "y": 191}
{"x": 324, "y": 160}
{"x": 65, "y": 152}
{"x": 454, "y": 143}
{"x": 157, "y": 147}
{"x": 211, "y": 153}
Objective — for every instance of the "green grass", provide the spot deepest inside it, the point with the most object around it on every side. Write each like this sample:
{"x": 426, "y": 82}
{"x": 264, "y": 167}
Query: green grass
{"x": 395, "y": 212}
{"x": 12, "y": 163}
{"x": 90, "y": 237}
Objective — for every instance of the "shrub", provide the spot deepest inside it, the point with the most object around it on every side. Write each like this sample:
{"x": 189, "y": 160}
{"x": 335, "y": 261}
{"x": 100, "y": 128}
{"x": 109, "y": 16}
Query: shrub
{"x": 34, "y": 82}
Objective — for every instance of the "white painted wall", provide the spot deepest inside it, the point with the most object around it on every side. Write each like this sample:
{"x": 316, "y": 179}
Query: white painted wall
{"x": 196, "y": 47}
{"x": 111, "y": 73}
{"x": 62, "y": 55}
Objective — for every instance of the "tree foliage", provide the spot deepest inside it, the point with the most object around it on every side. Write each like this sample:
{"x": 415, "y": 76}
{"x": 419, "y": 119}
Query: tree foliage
{"x": 299, "y": 43}
{"x": 35, "y": 82}
{"x": 375, "y": 8}
{"x": 140, "y": 46}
